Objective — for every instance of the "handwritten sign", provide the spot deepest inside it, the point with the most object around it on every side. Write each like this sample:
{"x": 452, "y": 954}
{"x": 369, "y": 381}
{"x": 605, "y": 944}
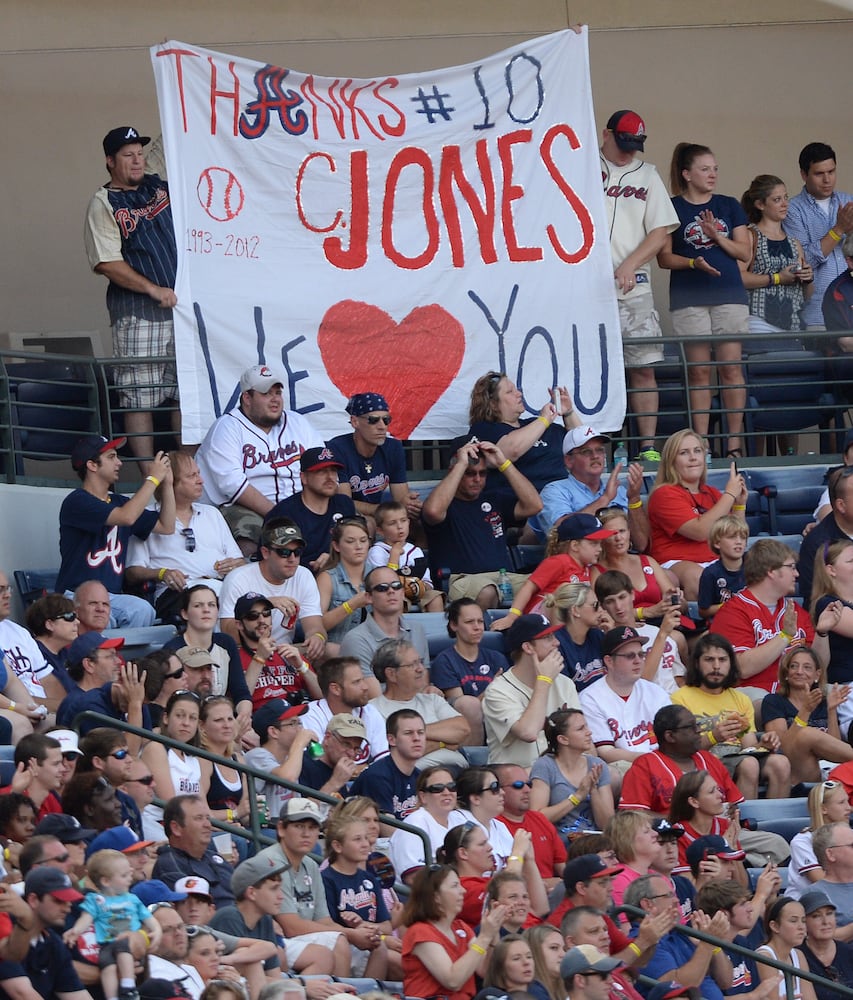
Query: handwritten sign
{"x": 400, "y": 235}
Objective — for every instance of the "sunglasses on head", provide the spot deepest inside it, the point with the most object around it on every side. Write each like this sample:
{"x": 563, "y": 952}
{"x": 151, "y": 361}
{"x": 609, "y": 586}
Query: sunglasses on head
{"x": 288, "y": 553}
{"x": 447, "y": 786}
{"x": 373, "y": 419}
{"x": 518, "y": 785}
{"x": 253, "y": 616}
{"x": 189, "y": 539}
{"x": 383, "y": 588}
{"x": 66, "y": 616}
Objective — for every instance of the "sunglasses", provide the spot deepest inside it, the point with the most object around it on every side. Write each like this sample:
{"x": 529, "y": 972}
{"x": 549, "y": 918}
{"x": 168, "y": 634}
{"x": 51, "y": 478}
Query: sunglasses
{"x": 146, "y": 779}
{"x": 175, "y": 674}
{"x": 67, "y": 616}
{"x": 494, "y": 788}
{"x": 253, "y": 616}
{"x": 447, "y": 786}
{"x": 189, "y": 539}
{"x": 288, "y": 553}
{"x": 518, "y": 785}
{"x": 372, "y": 420}
{"x": 119, "y": 754}
{"x": 69, "y": 756}
{"x": 62, "y": 858}
{"x": 383, "y": 588}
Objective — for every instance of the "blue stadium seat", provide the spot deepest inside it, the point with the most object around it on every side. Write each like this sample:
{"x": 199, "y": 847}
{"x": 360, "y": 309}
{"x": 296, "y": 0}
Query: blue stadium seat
{"x": 35, "y": 583}
{"x": 762, "y": 809}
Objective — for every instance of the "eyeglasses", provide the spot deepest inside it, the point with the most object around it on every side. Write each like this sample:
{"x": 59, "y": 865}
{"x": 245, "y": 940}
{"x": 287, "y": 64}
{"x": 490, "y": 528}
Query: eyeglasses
{"x": 850, "y": 844}
{"x": 415, "y": 663}
{"x": 67, "y": 616}
{"x": 61, "y": 858}
{"x": 253, "y": 616}
{"x": 662, "y": 895}
{"x": 383, "y": 588}
{"x": 185, "y": 693}
{"x": 288, "y": 553}
{"x": 518, "y": 785}
{"x": 146, "y": 779}
{"x": 686, "y": 725}
{"x": 193, "y": 930}
{"x": 119, "y": 754}
{"x": 189, "y": 539}
{"x": 373, "y": 420}
{"x": 788, "y": 565}
{"x": 5, "y": 588}
{"x": 599, "y": 975}
{"x": 293, "y": 724}
{"x": 494, "y": 788}
{"x": 446, "y": 786}
{"x": 355, "y": 519}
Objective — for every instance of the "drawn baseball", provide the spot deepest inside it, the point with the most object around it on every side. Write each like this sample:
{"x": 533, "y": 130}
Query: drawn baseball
{"x": 220, "y": 194}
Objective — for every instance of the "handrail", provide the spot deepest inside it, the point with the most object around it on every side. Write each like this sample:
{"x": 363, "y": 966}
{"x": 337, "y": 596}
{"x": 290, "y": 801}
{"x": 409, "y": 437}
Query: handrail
{"x": 253, "y": 772}
{"x": 790, "y": 971}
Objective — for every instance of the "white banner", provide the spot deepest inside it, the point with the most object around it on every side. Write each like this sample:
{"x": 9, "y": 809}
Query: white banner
{"x": 401, "y": 235}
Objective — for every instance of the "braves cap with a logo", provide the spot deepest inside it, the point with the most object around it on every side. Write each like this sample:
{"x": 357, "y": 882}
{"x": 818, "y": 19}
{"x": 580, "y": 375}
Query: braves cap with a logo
{"x": 578, "y": 526}
{"x": 526, "y": 628}
{"x": 629, "y": 130}
{"x": 584, "y": 868}
{"x": 616, "y": 638}
{"x": 51, "y": 881}
{"x": 124, "y": 135}
{"x": 314, "y": 459}
{"x": 579, "y": 436}
{"x": 85, "y": 645}
{"x": 712, "y": 846}
{"x": 88, "y": 448}
{"x": 260, "y": 378}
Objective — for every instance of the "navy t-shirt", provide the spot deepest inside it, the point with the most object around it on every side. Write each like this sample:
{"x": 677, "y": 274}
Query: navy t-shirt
{"x": 316, "y": 528}
{"x": 690, "y": 287}
{"x": 47, "y": 965}
{"x": 583, "y": 662}
{"x": 360, "y": 893}
{"x": 777, "y": 706}
{"x": 96, "y": 700}
{"x": 542, "y": 463}
{"x": 368, "y": 478}
{"x": 842, "y": 963}
{"x": 718, "y": 584}
{"x": 744, "y": 968}
{"x": 384, "y": 782}
{"x": 471, "y": 538}
{"x": 449, "y": 670}
{"x": 90, "y": 548}
{"x": 840, "y": 669}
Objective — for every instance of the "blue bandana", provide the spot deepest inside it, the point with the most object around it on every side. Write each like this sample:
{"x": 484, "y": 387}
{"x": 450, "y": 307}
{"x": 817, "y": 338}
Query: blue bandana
{"x": 367, "y": 402}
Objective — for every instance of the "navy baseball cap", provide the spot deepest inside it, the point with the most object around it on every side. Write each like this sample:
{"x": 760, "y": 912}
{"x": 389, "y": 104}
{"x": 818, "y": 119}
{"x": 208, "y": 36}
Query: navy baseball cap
{"x": 273, "y": 711}
{"x": 124, "y": 135}
{"x": 713, "y": 845}
{"x": 314, "y": 459}
{"x": 526, "y": 628}
{"x": 629, "y": 130}
{"x": 243, "y": 605}
{"x": 88, "y": 448}
{"x": 86, "y": 644}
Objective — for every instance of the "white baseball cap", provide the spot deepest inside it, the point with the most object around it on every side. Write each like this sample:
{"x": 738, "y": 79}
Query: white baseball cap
{"x": 578, "y": 436}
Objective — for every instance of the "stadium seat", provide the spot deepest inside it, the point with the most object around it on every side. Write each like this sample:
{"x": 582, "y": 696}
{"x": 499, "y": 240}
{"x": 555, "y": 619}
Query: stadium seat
{"x": 761, "y": 809}
{"x": 35, "y": 583}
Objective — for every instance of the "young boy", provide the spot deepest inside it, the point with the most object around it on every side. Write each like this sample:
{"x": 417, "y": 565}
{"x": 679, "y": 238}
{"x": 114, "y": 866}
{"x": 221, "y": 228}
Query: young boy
{"x": 397, "y": 552}
{"x": 723, "y": 578}
{"x": 114, "y": 910}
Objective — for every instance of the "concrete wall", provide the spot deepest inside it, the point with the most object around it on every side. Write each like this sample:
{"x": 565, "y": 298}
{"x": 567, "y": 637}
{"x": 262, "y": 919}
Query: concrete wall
{"x": 753, "y": 79}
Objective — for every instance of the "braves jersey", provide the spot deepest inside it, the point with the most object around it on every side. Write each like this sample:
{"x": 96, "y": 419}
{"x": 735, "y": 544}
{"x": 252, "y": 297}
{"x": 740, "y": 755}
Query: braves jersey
{"x": 368, "y": 478}
{"x": 136, "y": 227}
{"x": 748, "y": 623}
{"x": 616, "y": 722}
{"x": 636, "y": 202}
{"x": 22, "y": 655}
{"x": 90, "y": 548}
{"x": 650, "y": 781}
{"x": 236, "y": 453}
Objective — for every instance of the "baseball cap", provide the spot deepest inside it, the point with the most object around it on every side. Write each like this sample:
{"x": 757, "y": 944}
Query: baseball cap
{"x": 51, "y": 880}
{"x": 629, "y": 130}
{"x": 345, "y": 724}
{"x": 671, "y": 831}
{"x": 66, "y": 829}
{"x": 281, "y": 534}
{"x": 314, "y": 459}
{"x": 586, "y": 867}
{"x": 586, "y": 958}
{"x": 68, "y": 741}
{"x": 261, "y": 378}
{"x": 194, "y": 657}
{"x": 578, "y": 436}
{"x": 153, "y": 890}
{"x": 124, "y": 135}
{"x": 273, "y": 711}
{"x": 616, "y": 638}
{"x": 295, "y": 809}
{"x": 666, "y": 990}
{"x": 577, "y": 526}
{"x": 815, "y": 900}
{"x": 253, "y": 871}
{"x": 243, "y": 605}
{"x": 117, "y": 838}
{"x": 86, "y": 644}
{"x": 713, "y": 845}
{"x": 526, "y": 628}
{"x": 192, "y": 885}
{"x": 89, "y": 447}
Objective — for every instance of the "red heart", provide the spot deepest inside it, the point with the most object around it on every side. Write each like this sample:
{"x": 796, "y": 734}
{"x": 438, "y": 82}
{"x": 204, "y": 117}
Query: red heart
{"x": 410, "y": 363}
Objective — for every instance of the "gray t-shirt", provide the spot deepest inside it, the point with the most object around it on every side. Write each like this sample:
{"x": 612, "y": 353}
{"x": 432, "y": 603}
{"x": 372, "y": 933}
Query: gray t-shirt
{"x": 263, "y": 760}
{"x": 230, "y": 920}
{"x": 304, "y": 894}
{"x": 841, "y": 894}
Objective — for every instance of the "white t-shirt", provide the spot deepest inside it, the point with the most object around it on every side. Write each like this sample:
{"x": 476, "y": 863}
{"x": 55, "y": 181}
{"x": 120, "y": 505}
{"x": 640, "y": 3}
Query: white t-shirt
{"x": 499, "y": 837}
{"x": 301, "y": 587}
{"x": 23, "y": 656}
{"x": 318, "y": 715}
{"x": 626, "y": 725}
{"x": 671, "y": 665}
{"x": 406, "y": 850}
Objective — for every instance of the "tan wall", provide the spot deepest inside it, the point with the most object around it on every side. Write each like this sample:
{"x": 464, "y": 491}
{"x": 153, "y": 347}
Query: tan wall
{"x": 753, "y": 79}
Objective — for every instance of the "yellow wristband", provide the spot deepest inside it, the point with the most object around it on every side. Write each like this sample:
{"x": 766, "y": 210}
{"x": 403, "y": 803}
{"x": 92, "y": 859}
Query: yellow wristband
{"x": 800, "y": 722}
{"x": 515, "y": 857}
{"x": 712, "y": 739}
{"x": 12, "y": 705}
{"x": 229, "y": 815}
{"x": 717, "y": 950}
{"x": 545, "y": 421}
{"x": 153, "y": 479}
{"x": 542, "y": 677}
{"x": 692, "y": 264}
{"x": 393, "y": 565}
{"x": 504, "y": 466}
{"x": 347, "y": 607}
{"x": 323, "y": 636}
{"x": 636, "y": 505}
{"x": 777, "y": 280}
{"x": 514, "y": 611}
{"x": 575, "y": 801}
{"x": 477, "y": 947}
{"x": 838, "y": 237}
{"x": 382, "y": 937}
{"x": 640, "y": 615}
{"x": 161, "y": 574}
{"x": 635, "y": 948}
{"x": 738, "y": 506}
{"x": 144, "y": 933}
{"x": 7, "y": 854}
{"x": 785, "y": 636}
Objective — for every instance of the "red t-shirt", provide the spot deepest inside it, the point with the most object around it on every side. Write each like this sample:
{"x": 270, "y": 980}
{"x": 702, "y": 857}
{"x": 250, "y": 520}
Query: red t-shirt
{"x": 669, "y": 508}
{"x": 418, "y": 981}
{"x": 719, "y": 825}
{"x": 747, "y": 623}
{"x": 548, "y": 849}
{"x": 277, "y": 678}
{"x": 650, "y": 781}
{"x": 550, "y": 573}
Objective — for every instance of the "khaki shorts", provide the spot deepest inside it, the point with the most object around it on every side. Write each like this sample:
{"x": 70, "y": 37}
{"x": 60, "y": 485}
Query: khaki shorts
{"x": 639, "y": 318}
{"x": 242, "y": 522}
{"x": 724, "y": 322}
{"x": 470, "y": 584}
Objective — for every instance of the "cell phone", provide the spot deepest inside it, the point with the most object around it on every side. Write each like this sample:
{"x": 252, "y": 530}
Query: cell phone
{"x": 796, "y": 268}
{"x": 555, "y": 398}
{"x": 674, "y": 599}
{"x": 815, "y": 685}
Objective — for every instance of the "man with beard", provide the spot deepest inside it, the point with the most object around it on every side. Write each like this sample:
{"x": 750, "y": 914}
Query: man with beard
{"x": 249, "y": 457}
{"x": 273, "y": 669}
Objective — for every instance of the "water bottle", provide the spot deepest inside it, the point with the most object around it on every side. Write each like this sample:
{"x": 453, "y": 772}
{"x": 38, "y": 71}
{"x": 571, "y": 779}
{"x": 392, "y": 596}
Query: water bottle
{"x": 708, "y": 456}
{"x": 315, "y": 750}
{"x": 504, "y": 590}
{"x": 620, "y": 455}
